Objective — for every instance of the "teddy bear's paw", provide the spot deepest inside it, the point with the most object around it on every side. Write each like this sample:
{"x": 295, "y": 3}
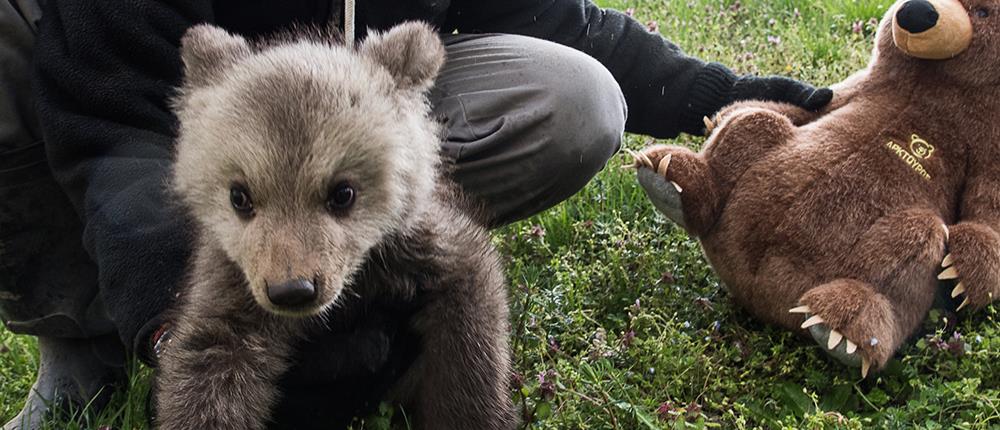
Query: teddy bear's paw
{"x": 656, "y": 158}
{"x": 665, "y": 195}
{"x": 972, "y": 264}
{"x": 854, "y": 324}
{"x": 653, "y": 166}
{"x": 834, "y": 342}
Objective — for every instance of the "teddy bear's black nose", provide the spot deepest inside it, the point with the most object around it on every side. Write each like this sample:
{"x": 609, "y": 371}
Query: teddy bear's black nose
{"x": 292, "y": 293}
{"x": 917, "y": 16}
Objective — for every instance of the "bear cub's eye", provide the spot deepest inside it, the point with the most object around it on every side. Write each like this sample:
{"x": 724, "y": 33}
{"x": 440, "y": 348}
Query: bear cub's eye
{"x": 341, "y": 198}
{"x": 240, "y": 199}
{"x": 982, "y": 12}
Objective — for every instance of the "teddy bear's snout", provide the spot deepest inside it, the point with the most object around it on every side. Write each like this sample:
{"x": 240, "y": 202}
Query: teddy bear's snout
{"x": 917, "y": 16}
{"x": 932, "y": 29}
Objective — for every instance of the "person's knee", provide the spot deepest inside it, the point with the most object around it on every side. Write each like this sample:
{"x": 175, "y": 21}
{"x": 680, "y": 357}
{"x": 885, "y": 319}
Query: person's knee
{"x": 549, "y": 122}
{"x": 588, "y": 114}
{"x": 588, "y": 118}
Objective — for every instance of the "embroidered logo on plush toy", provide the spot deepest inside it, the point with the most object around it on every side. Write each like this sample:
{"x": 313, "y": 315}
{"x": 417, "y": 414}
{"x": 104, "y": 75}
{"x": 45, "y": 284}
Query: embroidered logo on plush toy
{"x": 919, "y": 150}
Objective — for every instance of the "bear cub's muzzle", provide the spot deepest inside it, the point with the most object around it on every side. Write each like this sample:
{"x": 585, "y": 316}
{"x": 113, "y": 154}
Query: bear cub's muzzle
{"x": 293, "y": 293}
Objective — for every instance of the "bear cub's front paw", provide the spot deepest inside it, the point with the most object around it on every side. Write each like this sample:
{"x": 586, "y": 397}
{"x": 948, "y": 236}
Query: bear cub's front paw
{"x": 973, "y": 260}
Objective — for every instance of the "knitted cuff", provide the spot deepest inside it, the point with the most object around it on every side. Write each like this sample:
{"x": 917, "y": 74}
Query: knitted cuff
{"x": 709, "y": 93}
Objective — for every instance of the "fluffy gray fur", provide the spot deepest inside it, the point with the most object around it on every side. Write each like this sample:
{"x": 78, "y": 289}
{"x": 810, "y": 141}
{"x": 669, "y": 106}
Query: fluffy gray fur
{"x": 290, "y": 119}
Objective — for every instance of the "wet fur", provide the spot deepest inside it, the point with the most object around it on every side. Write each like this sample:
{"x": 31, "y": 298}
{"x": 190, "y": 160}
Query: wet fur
{"x": 282, "y": 117}
{"x": 801, "y": 208}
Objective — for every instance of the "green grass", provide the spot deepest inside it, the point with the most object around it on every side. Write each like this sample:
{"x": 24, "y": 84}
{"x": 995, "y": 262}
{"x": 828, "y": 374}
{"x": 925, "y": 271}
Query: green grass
{"x": 618, "y": 321}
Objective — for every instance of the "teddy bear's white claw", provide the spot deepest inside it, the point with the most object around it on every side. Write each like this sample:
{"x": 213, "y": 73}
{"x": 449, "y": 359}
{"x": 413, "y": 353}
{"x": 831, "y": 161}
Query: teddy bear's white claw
{"x": 949, "y": 273}
{"x": 664, "y": 165}
{"x": 645, "y": 160}
{"x": 963, "y": 305}
{"x": 948, "y": 261}
{"x": 677, "y": 187}
{"x": 640, "y": 158}
{"x": 709, "y": 125}
{"x": 635, "y": 158}
{"x": 812, "y": 321}
{"x": 835, "y": 339}
{"x": 851, "y": 347}
{"x": 800, "y": 310}
{"x": 947, "y": 233}
{"x": 959, "y": 289}
{"x": 865, "y": 367}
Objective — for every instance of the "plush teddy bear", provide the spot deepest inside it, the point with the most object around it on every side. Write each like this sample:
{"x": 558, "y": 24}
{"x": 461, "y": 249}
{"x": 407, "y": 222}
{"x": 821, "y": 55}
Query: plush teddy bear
{"x": 839, "y": 221}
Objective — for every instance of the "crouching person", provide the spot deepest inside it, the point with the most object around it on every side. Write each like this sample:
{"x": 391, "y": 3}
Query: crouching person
{"x": 533, "y": 103}
{"x": 48, "y": 283}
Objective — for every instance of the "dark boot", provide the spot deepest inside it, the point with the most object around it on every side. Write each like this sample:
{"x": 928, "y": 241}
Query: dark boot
{"x": 73, "y": 373}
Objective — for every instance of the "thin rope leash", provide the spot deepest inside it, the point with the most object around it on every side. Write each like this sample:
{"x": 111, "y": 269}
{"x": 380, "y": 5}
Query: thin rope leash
{"x": 349, "y": 23}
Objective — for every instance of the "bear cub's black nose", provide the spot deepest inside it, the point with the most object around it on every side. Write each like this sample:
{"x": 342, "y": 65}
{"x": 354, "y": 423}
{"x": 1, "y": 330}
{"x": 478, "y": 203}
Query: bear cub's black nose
{"x": 917, "y": 16}
{"x": 292, "y": 293}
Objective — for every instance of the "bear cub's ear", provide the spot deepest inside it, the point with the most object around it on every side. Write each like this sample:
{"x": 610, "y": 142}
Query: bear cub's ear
{"x": 207, "y": 51}
{"x": 412, "y": 52}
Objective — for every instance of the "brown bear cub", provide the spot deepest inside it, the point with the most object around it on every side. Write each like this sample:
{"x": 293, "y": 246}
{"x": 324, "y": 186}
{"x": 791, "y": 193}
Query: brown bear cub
{"x": 312, "y": 172}
{"x": 839, "y": 221}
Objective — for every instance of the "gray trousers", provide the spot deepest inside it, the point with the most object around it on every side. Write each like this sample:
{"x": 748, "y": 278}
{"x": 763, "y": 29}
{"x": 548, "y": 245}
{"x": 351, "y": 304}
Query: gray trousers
{"x": 528, "y": 124}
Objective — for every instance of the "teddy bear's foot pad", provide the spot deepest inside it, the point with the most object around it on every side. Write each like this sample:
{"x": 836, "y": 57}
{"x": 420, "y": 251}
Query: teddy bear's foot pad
{"x": 833, "y": 342}
{"x": 665, "y": 195}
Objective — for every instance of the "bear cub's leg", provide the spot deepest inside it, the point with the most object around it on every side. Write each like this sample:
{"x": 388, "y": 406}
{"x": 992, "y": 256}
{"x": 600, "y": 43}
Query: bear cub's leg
{"x": 221, "y": 367}
{"x": 461, "y": 379}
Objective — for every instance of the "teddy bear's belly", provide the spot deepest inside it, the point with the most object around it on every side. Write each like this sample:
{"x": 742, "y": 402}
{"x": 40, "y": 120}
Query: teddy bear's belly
{"x": 794, "y": 218}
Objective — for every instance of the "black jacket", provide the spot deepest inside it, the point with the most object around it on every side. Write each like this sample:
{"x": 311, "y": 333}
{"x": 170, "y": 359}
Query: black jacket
{"x": 107, "y": 68}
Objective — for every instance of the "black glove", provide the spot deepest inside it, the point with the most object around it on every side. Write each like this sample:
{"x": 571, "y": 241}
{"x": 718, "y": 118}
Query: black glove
{"x": 717, "y": 87}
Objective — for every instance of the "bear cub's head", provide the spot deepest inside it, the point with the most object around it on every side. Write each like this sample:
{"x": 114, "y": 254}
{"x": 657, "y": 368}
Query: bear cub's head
{"x": 956, "y": 40}
{"x": 299, "y": 156}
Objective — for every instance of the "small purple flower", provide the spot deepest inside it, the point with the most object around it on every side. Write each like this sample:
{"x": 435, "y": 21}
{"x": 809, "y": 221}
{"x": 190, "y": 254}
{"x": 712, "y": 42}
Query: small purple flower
{"x": 665, "y": 411}
{"x": 517, "y": 380}
{"x": 774, "y": 40}
{"x": 629, "y": 338}
{"x": 553, "y": 344}
{"x": 857, "y": 27}
{"x": 537, "y": 231}
{"x": 547, "y": 384}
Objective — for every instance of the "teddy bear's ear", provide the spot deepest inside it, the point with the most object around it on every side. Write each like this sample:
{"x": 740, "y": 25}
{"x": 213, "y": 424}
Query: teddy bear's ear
{"x": 412, "y": 52}
{"x": 207, "y": 51}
